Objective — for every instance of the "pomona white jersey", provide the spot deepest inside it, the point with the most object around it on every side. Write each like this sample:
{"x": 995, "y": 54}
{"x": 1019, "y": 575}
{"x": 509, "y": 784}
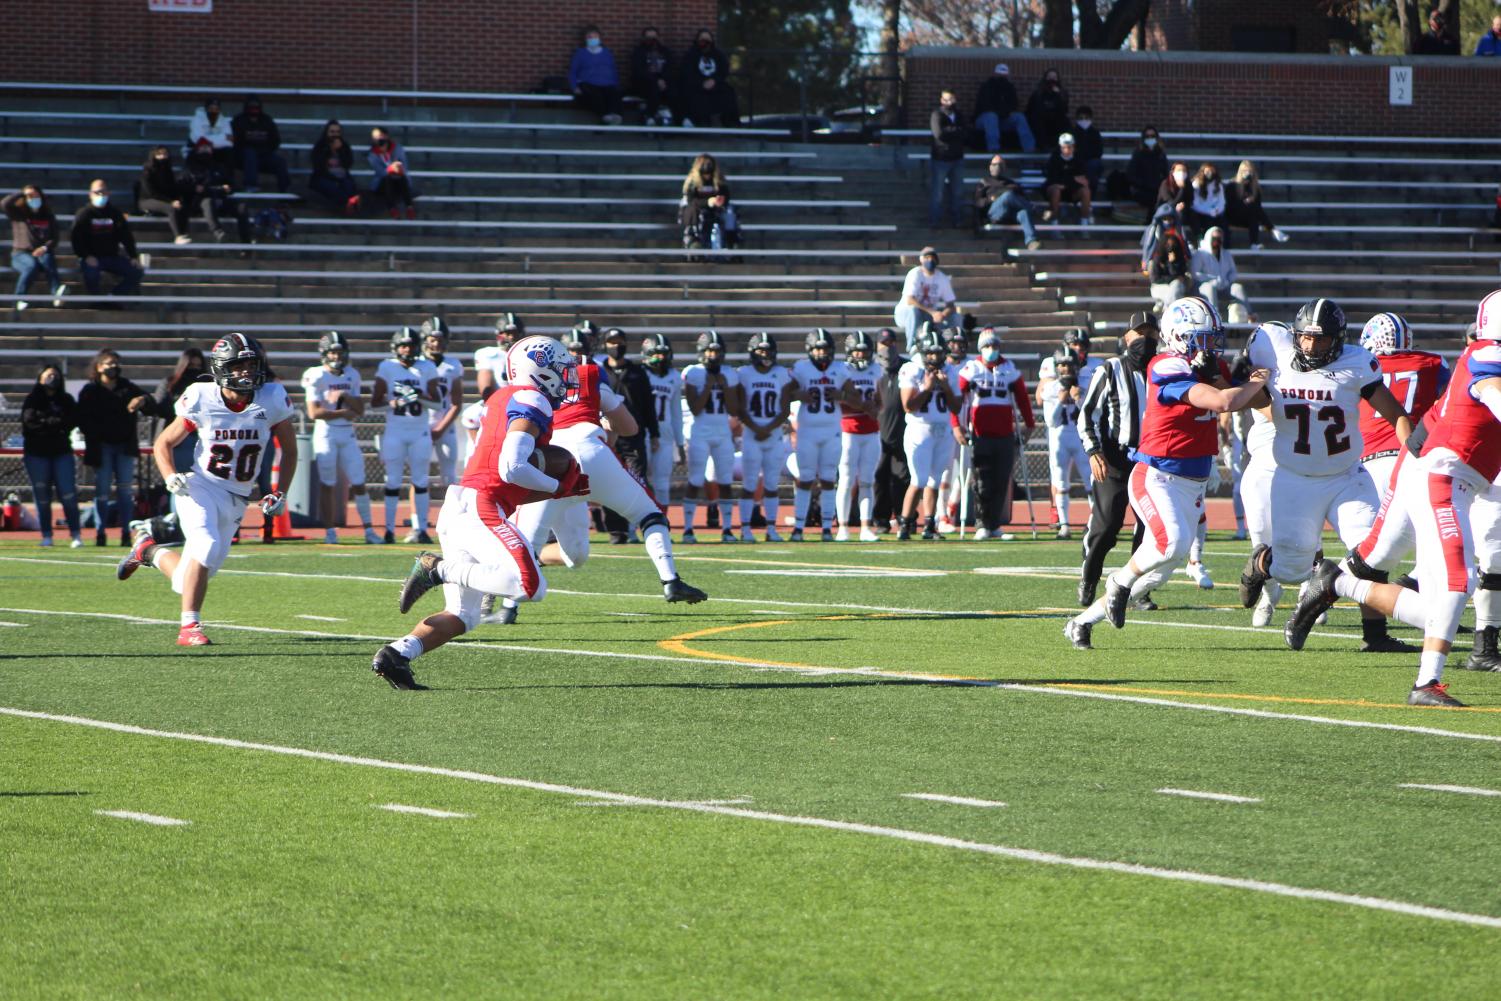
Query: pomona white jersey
{"x": 405, "y": 418}
{"x": 763, "y": 391}
{"x": 450, "y": 374}
{"x": 491, "y": 359}
{"x": 667, "y": 395}
{"x": 937, "y": 411}
{"x": 319, "y": 383}
{"x": 1047, "y": 370}
{"x": 1316, "y": 414}
{"x": 232, "y": 443}
{"x": 714, "y": 419}
{"x": 821, "y": 412}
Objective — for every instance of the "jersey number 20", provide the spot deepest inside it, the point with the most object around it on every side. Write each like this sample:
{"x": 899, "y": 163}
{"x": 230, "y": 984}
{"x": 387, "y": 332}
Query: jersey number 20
{"x": 245, "y": 465}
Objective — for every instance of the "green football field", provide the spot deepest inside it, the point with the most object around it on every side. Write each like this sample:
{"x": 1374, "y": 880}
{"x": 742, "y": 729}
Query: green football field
{"x": 858, "y": 771}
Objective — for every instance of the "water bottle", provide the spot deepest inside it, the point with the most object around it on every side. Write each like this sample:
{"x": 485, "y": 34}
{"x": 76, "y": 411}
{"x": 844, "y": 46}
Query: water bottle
{"x": 11, "y": 513}
{"x": 716, "y": 237}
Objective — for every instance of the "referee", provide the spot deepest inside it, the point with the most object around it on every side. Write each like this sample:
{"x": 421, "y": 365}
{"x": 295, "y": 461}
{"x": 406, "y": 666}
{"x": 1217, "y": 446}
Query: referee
{"x": 1110, "y": 426}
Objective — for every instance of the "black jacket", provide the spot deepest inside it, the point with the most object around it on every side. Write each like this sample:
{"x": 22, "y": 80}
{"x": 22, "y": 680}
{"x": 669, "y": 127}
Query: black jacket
{"x": 650, "y": 63}
{"x": 949, "y": 136}
{"x": 259, "y": 133}
{"x": 1088, "y": 143}
{"x": 102, "y": 232}
{"x": 163, "y": 183}
{"x": 697, "y": 61}
{"x": 1047, "y": 113}
{"x": 1161, "y": 271}
{"x": 632, "y": 383}
{"x": 323, "y": 152}
{"x": 991, "y": 188}
{"x": 893, "y": 416}
{"x": 30, "y": 230}
{"x": 1146, "y": 172}
{"x": 1060, "y": 171}
{"x": 46, "y": 421}
{"x": 998, "y": 95}
{"x": 104, "y": 417}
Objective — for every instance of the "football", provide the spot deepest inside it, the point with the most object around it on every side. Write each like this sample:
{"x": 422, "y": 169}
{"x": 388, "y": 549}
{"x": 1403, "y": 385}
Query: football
{"x": 553, "y": 460}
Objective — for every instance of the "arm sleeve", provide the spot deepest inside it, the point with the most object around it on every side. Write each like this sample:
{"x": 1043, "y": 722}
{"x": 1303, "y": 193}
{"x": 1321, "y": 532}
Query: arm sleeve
{"x": 515, "y": 467}
{"x": 1491, "y": 397}
{"x": 608, "y": 398}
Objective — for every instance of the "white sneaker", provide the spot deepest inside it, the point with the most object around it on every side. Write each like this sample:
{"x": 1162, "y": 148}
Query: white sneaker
{"x": 1004, "y": 537}
{"x": 612, "y": 119}
{"x": 22, "y": 305}
{"x": 76, "y": 544}
{"x": 746, "y": 535}
{"x": 1200, "y": 575}
{"x": 1255, "y": 246}
{"x": 1064, "y": 532}
{"x": 330, "y": 537}
{"x": 843, "y": 535}
{"x": 1262, "y": 616}
{"x": 180, "y": 240}
{"x": 946, "y": 527}
{"x": 57, "y": 296}
{"x": 981, "y": 534}
{"x": 1086, "y": 220}
{"x": 772, "y": 535}
{"x": 1279, "y": 236}
{"x": 688, "y": 123}
{"x": 869, "y": 535}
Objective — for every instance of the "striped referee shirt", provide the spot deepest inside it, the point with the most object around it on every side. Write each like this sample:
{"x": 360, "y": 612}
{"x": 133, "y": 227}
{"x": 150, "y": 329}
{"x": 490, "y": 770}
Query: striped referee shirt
{"x": 1110, "y": 417}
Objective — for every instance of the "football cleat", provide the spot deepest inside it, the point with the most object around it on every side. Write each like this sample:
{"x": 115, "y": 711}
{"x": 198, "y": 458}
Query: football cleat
{"x": 330, "y": 537}
{"x": 1484, "y": 657}
{"x": 410, "y": 537}
{"x": 422, "y": 579}
{"x": 843, "y": 535}
{"x": 1316, "y": 599}
{"x": 371, "y": 538}
{"x": 389, "y": 538}
{"x": 491, "y": 616}
{"x": 136, "y": 558}
{"x": 1265, "y": 606}
{"x": 869, "y": 535}
{"x": 424, "y": 539}
{"x": 677, "y": 590}
{"x": 946, "y": 527}
{"x": 1063, "y": 532}
{"x": 396, "y": 669}
{"x": 1116, "y": 597}
{"x": 1078, "y": 634}
{"x": 728, "y": 535}
{"x": 930, "y": 534}
{"x": 797, "y": 534}
{"x": 193, "y": 636}
{"x": 1435, "y": 694}
{"x": 689, "y": 538}
{"x": 1387, "y": 644}
{"x": 772, "y": 535}
{"x": 1200, "y": 575}
{"x": 1143, "y": 603}
{"x": 746, "y": 535}
{"x": 1253, "y": 578}
{"x": 981, "y": 534}
{"x": 1087, "y": 589}
{"x": 904, "y": 534}
{"x": 827, "y": 535}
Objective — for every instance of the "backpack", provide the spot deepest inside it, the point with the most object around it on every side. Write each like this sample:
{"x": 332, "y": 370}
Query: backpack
{"x": 272, "y": 225}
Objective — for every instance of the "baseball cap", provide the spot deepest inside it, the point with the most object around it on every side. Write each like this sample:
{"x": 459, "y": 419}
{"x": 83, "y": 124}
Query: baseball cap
{"x": 1002, "y": 69}
{"x": 1140, "y": 321}
{"x": 1067, "y": 139}
{"x": 924, "y": 252}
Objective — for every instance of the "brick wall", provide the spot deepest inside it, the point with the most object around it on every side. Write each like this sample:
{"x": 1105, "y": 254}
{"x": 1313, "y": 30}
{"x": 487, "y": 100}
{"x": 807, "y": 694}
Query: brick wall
{"x": 1229, "y": 93}
{"x": 476, "y": 45}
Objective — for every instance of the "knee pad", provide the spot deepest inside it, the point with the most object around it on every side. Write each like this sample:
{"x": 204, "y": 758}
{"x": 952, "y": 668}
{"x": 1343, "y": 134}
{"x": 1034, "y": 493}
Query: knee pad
{"x": 419, "y": 490}
{"x": 654, "y": 519}
{"x": 393, "y": 491}
{"x": 1490, "y": 582}
{"x": 1360, "y": 568}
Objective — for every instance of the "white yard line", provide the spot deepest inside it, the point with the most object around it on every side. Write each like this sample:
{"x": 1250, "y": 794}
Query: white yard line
{"x": 423, "y": 811}
{"x": 320, "y": 618}
{"x": 1219, "y": 797}
{"x": 1467, "y": 790}
{"x": 738, "y": 801}
{"x": 955, "y": 800}
{"x": 823, "y": 823}
{"x": 144, "y": 818}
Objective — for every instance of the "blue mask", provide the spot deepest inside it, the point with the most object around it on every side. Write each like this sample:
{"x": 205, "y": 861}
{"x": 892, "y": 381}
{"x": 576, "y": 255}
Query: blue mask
{"x": 35, "y": 204}
{"x": 930, "y": 265}
{"x": 99, "y": 201}
{"x": 592, "y": 43}
{"x": 990, "y": 355}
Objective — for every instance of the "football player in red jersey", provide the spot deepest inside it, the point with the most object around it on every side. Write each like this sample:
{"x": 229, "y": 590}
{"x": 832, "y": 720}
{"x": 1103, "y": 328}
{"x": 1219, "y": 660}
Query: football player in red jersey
{"x": 1186, "y": 388}
{"x": 483, "y": 553}
{"x": 1416, "y": 378}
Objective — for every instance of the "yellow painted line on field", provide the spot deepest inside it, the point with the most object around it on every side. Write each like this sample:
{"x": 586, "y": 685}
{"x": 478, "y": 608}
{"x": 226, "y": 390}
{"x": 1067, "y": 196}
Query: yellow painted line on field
{"x": 1293, "y": 699}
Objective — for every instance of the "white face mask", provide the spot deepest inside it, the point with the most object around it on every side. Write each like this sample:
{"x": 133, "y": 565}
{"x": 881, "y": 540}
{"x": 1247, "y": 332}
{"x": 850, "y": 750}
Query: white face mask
{"x": 99, "y": 201}
{"x": 1181, "y": 176}
{"x": 1085, "y": 123}
{"x": 1150, "y": 142}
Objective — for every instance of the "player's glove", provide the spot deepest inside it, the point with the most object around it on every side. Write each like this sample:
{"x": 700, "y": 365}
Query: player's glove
{"x": 573, "y": 483}
{"x": 406, "y": 394}
{"x": 177, "y": 483}
{"x": 273, "y": 504}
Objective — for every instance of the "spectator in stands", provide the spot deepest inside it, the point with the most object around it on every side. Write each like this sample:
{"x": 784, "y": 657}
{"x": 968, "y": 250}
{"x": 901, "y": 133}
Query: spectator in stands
{"x": 999, "y": 198}
{"x": 1139, "y": 183}
{"x": 1047, "y": 110}
{"x": 212, "y": 196}
{"x": 927, "y": 294}
{"x": 892, "y": 476}
{"x": 705, "y": 92}
{"x": 1065, "y": 178}
{"x": 946, "y": 157}
{"x": 108, "y": 407}
{"x": 33, "y": 241}
{"x": 996, "y": 112}
{"x": 652, "y": 77}
{"x": 390, "y": 181}
{"x": 1244, "y": 207}
{"x": 210, "y": 126}
{"x": 48, "y": 417}
{"x": 1490, "y": 42}
{"x": 1168, "y": 272}
{"x": 1440, "y": 39}
{"x": 1090, "y": 145}
{"x": 99, "y": 233}
{"x": 1207, "y": 203}
{"x": 1174, "y": 196}
{"x": 594, "y": 79}
{"x": 333, "y": 169}
{"x": 161, "y": 191}
{"x": 1218, "y": 280}
{"x": 705, "y": 202}
{"x": 257, "y": 140}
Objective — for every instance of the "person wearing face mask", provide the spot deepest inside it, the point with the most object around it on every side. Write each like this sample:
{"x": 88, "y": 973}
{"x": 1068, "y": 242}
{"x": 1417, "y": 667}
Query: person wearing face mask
{"x": 1214, "y": 272}
{"x": 48, "y": 416}
{"x": 1245, "y": 208}
{"x": 333, "y": 166}
{"x": 946, "y": 158}
{"x": 593, "y": 78}
{"x": 1174, "y": 196}
{"x": 33, "y": 242}
{"x": 652, "y": 78}
{"x": 390, "y": 180}
{"x": 99, "y": 233}
{"x": 1110, "y": 428}
{"x": 1090, "y": 145}
{"x": 996, "y": 112}
{"x": 1065, "y": 179}
{"x": 190, "y": 368}
{"x": 1207, "y": 201}
{"x": 993, "y": 389}
{"x": 704, "y": 211}
{"x": 892, "y": 475}
{"x": 1143, "y": 175}
{"x": 703, "y": 87}
{"x": 1168, "y": 272}
{"x": 108, "y": 408}
{"x": 163, "y": 191}
{"x": 257, "y": 140}
{"x": 927, "y": 296}
{"x": 1047, "y": 109}
{"x": 999, "y": 197}
{"x": 209, "y": 125}
{"x": 634, "y": 386}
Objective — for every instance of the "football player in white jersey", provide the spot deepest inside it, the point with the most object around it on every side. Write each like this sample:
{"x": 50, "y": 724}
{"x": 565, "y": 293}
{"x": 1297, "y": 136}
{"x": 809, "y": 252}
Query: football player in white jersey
{"x": 408, "y": 385}
{"x": 766, "y": 403}
{"x": 859, "y": 434}
{"x": 332, "y": 395}
{"x": 443, "y": 418}
{"x": 819, "y": 384}
{"x": 1076, "y": 345}
{"x": 490, "y": 361}
{"x": 1060, "y": 399}
{"x": 930, "y": 393}
{"x": 712, "y": 392}
{"x": 1315, "y": 391}
{"x": 667, "y": 396}
{"x": 581, "y": 341}
{"x": 239, "y": 417}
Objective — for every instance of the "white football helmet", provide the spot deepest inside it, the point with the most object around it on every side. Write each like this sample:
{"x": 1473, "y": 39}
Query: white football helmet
{"x": 1488, "y": 317}
{"x": 543, "y": 364}
{"x": 1191, "y": 328}
{"x": 1385, "y": 334}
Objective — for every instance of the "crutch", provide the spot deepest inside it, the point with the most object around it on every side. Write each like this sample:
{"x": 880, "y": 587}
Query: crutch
{"x": 966, "y": 466}
{"x": 1021, "y": 461}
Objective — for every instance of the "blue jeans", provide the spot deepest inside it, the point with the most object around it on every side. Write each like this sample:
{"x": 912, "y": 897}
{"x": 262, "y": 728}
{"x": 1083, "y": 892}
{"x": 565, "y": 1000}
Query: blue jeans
{"x": 117, "y": 468}
{"x": 130, "y": 275}
{"x": 1010, "y": 204}
{"x": 912, "y": 320}
{"x": 1015, "y": 122}
{"x": 51, "y": 474}
{"x": 251, "y": 163}
{"x": 337, "y": 190}
{"x": 27, "y": 266}
{"x": 951, "y": 171}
